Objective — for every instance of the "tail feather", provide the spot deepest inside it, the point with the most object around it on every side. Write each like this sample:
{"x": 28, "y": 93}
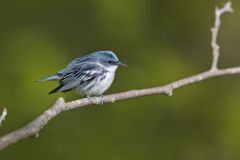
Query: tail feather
{"x": 55, "y": 90}
{"x": 60, "y": 89}
{"x": 49, "y": 78}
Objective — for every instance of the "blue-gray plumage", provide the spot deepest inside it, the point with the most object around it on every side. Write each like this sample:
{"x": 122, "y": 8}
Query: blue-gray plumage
{"x": 90, "y": 75}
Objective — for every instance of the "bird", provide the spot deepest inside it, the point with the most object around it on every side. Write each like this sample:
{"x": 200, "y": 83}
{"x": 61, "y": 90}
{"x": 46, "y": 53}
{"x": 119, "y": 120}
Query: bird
{"x": 89, "y": 75}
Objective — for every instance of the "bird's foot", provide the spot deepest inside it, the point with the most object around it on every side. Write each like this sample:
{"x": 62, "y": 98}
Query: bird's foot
{"x": 90, "y": 99}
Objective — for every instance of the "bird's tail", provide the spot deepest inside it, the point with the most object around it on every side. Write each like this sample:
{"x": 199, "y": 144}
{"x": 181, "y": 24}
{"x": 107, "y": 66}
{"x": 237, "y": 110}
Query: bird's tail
{"x": 50, "y": 78}
{"x": 60, "y": 88}
{"x": 55, "y": 90}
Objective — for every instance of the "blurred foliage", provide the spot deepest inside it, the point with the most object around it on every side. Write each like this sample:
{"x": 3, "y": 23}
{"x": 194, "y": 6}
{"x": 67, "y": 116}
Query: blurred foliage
{"x": 161, "y": 41}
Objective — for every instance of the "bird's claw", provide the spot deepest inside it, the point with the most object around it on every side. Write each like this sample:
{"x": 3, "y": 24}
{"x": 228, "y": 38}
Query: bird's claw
{"x": 102, "y": 100}
{"x": 91, "y": 99}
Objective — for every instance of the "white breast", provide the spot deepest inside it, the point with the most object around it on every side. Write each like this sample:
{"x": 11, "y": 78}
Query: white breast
{"x": 107, "y": 82}
{"x": 103, "y": 85}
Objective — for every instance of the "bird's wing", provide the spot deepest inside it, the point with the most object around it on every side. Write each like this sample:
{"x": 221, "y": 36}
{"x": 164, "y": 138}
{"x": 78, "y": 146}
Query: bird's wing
{"x": 79, "y": 74}
{"x": 75, "y": 64}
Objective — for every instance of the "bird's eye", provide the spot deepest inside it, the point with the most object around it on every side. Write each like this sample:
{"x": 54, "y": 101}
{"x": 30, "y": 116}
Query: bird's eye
{"x": 110, "y": 62}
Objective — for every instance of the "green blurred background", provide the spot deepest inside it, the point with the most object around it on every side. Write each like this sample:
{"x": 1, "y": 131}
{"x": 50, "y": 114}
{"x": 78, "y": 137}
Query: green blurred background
{"x": 161, "y": 41}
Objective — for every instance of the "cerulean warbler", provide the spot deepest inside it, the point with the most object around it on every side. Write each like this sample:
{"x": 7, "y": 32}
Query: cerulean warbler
{"x": 90, "y": 75}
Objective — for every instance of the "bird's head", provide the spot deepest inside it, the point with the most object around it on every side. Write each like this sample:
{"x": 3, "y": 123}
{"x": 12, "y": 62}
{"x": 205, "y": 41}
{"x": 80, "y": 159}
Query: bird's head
{"x": 108, "y": 59}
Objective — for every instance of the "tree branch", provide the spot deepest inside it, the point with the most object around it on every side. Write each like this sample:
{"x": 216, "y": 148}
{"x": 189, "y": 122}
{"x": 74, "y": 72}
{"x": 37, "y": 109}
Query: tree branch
{"x": 33, "y": 128}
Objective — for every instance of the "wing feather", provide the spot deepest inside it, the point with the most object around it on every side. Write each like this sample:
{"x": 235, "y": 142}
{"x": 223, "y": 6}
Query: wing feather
{"x": 75, "y": 75}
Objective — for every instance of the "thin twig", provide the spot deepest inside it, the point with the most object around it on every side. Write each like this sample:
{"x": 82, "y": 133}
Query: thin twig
{"x": 33, "y": 128}
{"x": 3, "y": 116}
{"x": 215, "y": 30}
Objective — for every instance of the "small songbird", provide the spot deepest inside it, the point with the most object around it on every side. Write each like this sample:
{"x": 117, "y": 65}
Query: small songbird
{"x": 90, "y": 75}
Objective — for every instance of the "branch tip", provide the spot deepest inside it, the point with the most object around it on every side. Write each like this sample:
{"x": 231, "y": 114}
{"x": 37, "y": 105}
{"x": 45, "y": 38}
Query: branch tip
{"x": 228, "y": 7}
{"x": 60, "y": 100}
{"x": 3, "y": 116}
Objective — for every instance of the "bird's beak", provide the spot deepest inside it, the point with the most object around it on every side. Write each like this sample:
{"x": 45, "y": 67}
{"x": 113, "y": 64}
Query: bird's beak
{"x": 120, "y": 64}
